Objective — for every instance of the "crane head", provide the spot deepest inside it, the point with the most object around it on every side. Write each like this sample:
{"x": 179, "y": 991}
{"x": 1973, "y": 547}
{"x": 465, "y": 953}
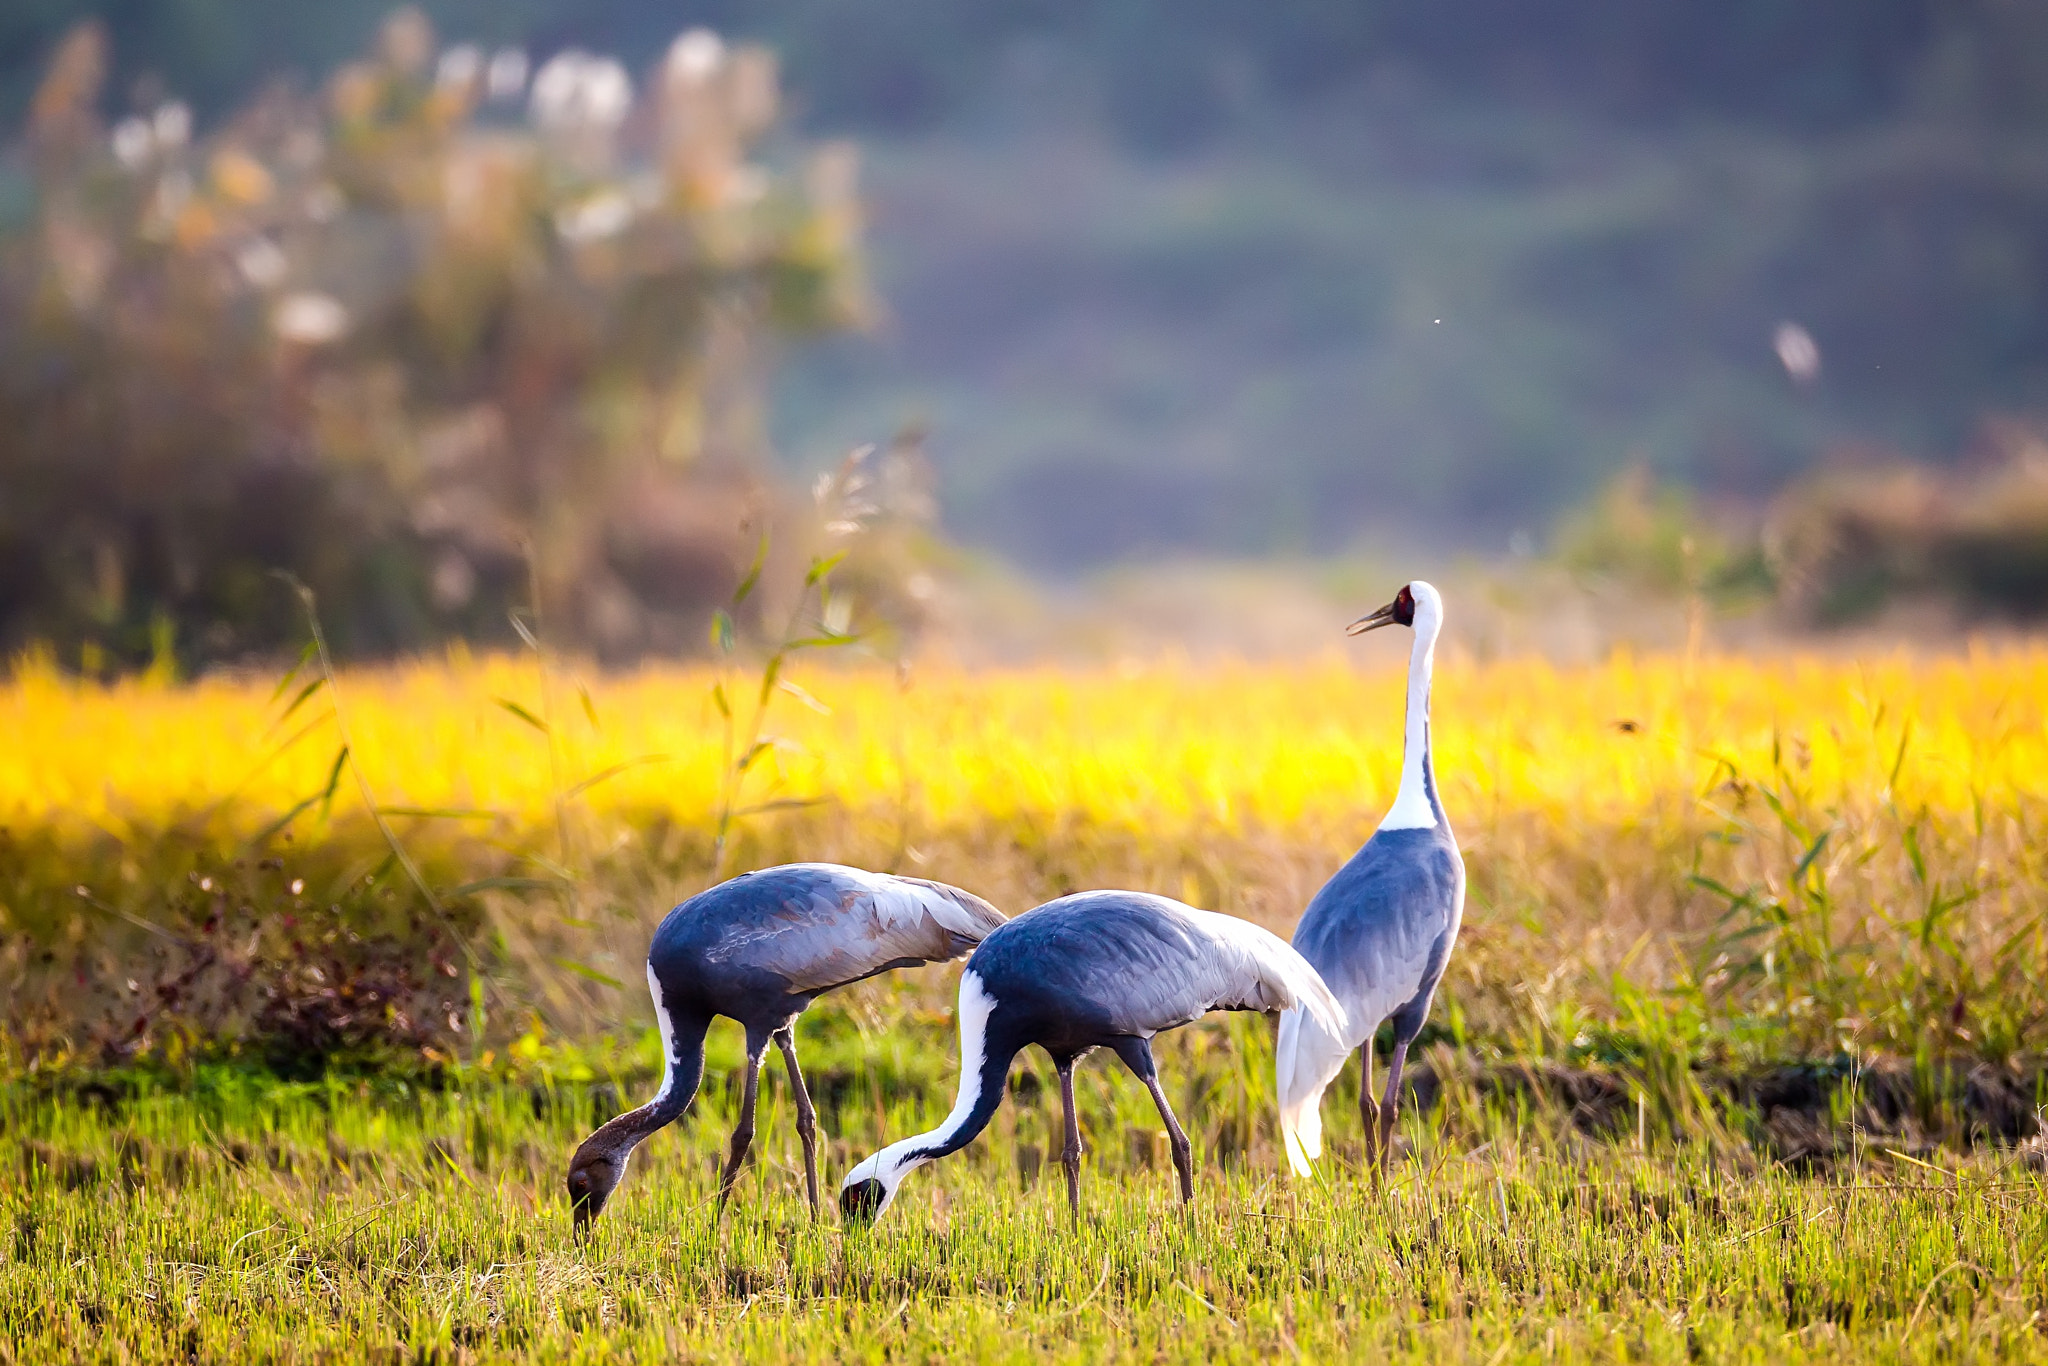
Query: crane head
{"x": 592, "y": 1177}
{"x": 1399, "y": 612}
{"x": 870, "y": 1187}
{"x": 860, "y": 1202}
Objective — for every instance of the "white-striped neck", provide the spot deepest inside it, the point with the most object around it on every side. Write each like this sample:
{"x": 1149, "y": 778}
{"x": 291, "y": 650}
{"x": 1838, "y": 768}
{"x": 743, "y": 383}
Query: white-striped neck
{"x": 667, "y": 1025}
{"x": 1415, "y": 804}
{"x": 906, "y": 1155}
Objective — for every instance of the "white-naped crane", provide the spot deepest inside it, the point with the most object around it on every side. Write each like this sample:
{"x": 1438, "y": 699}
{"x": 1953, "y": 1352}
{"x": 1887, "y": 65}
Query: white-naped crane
{"x": 1381, "y": 930}
{"x": 1093, "y": 970}
{"x": 759, "y": 949}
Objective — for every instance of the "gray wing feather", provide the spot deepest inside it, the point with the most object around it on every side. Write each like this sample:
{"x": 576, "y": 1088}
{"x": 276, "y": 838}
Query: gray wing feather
{"x": 1379, "y": 932}
{"x": 1223, "y": 964}
{"x": 846, "y": 924}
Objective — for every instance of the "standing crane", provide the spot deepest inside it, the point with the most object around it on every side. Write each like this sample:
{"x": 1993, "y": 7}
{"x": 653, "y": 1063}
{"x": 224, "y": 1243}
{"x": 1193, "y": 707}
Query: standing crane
{"x": 1380, "y": 932}
{"x": 1093, "y": 970}
{"x": 759, "y": 949}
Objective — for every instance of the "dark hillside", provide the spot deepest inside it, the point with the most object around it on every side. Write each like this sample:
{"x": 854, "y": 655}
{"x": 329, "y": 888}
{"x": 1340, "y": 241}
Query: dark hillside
{"x": 1171, "y": 275}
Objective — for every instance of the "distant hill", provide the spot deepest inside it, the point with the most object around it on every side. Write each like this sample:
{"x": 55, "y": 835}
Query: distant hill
{"x": 1170, "y": 275}
{"x": 1168, "y": 71}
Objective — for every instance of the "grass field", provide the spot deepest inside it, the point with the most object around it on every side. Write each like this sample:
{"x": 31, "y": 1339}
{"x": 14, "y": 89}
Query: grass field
{"x": 248, "y": 1223}
{"x": 1746, "y": 1022}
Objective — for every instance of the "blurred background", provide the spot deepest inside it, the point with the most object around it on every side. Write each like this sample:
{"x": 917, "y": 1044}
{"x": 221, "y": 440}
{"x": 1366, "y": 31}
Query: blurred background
{"x": 1202, "y": 322}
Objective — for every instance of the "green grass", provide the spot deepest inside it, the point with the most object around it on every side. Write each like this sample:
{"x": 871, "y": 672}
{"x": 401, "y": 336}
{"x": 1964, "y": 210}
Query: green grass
{"x": 231, "y": 1217}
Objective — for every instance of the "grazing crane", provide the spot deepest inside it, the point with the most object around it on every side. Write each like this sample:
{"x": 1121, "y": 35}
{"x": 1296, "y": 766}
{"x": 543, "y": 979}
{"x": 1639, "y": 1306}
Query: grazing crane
{"x": 1381, "y": 930}
{"x": 1093, "y": 970}
{"x": 759, "y": 949}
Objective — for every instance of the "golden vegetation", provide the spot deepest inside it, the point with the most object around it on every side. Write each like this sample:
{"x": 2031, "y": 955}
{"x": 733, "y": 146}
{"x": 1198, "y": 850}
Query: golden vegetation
{"x": 1787, "y": 856}
{"x": 1160, "y": 751}
{"x": 1690, "y": 880}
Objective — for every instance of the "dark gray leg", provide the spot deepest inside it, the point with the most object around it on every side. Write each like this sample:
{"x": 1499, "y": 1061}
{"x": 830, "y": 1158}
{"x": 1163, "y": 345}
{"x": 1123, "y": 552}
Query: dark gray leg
{"x": 806, "y": 1117}
{"x": 743, "y": 1136}
{"x": 1137, "y": 1055}
{"x": 1368, "y": 1108}
{"x": 1391, "y": 1105}
{"x": 1070, "y": 1156}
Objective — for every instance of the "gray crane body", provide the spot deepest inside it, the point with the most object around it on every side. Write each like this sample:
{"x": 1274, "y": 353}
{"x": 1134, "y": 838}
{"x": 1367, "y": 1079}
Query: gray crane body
{"x": 759, "y": 949}
{"x": 1381, "y": 929}
{"x": 1093, "y": 970}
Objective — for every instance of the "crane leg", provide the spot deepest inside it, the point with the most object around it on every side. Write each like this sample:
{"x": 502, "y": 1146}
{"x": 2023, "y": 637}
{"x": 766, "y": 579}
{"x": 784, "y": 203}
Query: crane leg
{"x": 743, "y": 1136}
{"x": 1390, "y": 1106}
{"x": 1137, "y": 1055}
{"x": 1368, "y": 1108}
{"x": 1070, "y": 1156}
{"x": 806, "y": 1116}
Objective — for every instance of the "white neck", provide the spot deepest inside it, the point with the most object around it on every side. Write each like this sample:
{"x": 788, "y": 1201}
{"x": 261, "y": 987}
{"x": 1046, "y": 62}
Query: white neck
{"x": 906, "y": 1155}
{"x": 668, "y": 1037}
{"x": 1413, "y": 808}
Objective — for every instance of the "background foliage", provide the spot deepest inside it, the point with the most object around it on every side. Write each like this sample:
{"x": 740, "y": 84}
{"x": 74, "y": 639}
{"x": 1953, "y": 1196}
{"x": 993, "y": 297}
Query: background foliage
{"x": 438, "y": 340}
{"x": 1171, "y": 277}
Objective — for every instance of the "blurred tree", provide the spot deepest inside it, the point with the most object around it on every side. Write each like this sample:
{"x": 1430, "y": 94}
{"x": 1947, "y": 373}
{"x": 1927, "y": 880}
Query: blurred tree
{"x": 1849, "y": 541}
{"x": 436, "y": 339}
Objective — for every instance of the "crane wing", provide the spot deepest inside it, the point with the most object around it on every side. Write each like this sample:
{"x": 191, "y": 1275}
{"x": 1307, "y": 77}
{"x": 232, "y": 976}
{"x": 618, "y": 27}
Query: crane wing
{"x": 847, "y": 924}
{"x": 1171, "y": 964}
{"x": 1262, "y": 971}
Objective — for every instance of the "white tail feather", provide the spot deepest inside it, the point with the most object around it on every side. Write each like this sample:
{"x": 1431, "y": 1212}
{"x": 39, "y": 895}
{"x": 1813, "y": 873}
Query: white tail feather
{"x": 1314, "y": 996}
{"x": 1311, "y": 1012}
{"x": 1307, "y": 1058}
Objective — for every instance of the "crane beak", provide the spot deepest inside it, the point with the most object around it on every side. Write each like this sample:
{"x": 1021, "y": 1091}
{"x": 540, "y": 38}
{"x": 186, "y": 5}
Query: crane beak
{"x": 1372, "y": 622}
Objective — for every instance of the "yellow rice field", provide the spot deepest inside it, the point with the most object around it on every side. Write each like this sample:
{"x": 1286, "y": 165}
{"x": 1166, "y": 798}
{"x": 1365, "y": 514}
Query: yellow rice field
{"x": 1800, "y": 855}
{"x": 1688, "y": 879}
{"x": 1165, "y": 749}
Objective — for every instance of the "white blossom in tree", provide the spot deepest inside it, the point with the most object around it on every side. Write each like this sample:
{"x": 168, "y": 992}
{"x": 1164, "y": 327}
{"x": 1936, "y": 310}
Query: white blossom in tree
{"x": 261, "y": 262}
{"x": 505, "y": 78}
{"x": 310, "y": 318}
{"x": 133, "y": 141}
{"x": 695, "y": 57}
{"x": 459, "y": 67}
{"x": 575, "y": 91}
{"x": 172, "y": 124}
